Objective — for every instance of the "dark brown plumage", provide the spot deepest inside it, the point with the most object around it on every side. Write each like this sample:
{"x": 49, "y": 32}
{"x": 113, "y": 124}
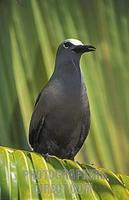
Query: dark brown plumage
{"x": 61, "y": 118}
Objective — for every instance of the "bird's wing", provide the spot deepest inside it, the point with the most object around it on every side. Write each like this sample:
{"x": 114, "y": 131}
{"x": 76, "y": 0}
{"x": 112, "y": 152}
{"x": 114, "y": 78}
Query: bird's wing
{"x": 37, "y": 120}
{"x": 85, "y": 121}
{"x": 83, "y": 134}
{"x": 34, "y": 133}
{"x": 38, "y": 98}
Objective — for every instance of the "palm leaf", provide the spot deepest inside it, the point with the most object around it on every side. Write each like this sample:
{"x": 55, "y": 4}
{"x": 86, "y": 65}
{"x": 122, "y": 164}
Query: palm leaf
{"x": 27, "y": 175}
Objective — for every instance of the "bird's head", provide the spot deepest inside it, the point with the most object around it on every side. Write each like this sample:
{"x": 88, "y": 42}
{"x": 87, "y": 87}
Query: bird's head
{"x": 74, "y": 47}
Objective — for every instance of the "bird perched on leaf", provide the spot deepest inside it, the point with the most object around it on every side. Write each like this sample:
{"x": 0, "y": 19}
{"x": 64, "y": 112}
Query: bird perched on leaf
{"x": 61, "y": 119}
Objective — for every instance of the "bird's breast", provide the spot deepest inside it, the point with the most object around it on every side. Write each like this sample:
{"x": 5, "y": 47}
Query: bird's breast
{"x": 64, "y": 97}
{"x": 65, "y": 107}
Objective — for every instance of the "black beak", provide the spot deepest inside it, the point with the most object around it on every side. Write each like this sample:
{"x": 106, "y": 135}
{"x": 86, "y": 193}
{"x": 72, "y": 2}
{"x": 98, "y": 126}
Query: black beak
{"x": 83, "y": 48}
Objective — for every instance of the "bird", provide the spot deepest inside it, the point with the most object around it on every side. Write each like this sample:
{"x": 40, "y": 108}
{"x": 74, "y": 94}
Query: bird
{"x": 60, "y": 121}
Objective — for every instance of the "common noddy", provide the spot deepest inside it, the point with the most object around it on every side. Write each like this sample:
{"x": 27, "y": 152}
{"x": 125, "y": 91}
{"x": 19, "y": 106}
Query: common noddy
{"x": 61, "y": 118}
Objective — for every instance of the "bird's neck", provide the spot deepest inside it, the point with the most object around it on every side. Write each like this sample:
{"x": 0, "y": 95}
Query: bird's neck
{"x": 68, "y": 74}
{"x": 69, "y": 66}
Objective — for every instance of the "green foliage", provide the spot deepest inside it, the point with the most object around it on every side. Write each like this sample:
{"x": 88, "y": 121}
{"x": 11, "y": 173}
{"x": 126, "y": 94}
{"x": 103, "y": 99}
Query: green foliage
{"x": 30, "y": 32}
{"x": 27, "y": 175}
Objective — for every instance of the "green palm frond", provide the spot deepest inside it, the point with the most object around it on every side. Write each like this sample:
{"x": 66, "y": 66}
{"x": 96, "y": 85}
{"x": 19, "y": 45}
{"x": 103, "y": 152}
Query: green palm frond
{"x": 27, "y": 175}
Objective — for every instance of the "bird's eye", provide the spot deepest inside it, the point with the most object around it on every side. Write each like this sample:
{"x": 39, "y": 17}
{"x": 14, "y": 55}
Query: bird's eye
{"x": 66, "y": 45}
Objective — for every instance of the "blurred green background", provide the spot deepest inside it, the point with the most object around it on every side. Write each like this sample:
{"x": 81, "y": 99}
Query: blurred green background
{"x": 30, "y": 32}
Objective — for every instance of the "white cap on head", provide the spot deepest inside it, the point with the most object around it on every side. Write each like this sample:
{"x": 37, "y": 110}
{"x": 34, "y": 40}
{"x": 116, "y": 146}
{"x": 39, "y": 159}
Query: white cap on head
{"x": 74, "y": 41}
